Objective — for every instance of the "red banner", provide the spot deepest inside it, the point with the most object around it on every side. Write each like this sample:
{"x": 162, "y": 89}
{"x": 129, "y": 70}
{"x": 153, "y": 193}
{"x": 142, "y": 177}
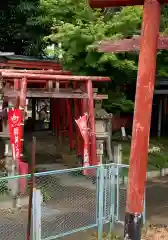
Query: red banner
{"x": 82, "y": 124}
{"x": 15, "y": 122}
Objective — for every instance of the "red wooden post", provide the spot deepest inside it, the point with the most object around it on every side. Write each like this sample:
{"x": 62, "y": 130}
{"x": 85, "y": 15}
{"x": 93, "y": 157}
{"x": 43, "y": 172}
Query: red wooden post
{"x": 56, "y": 113}
{"x": 16, "y": 84}
{"x": 16, "y": 88}
{"x": 80, "y": 139}
{"x": 78, "y": 135}
{"x": 92, "y": 123}
{"x": 84, "y": 109}
{"x": 81, "y": 112}
{"x": 61, "y": 118}
{"x": 53, "y": 115}
{"x": 64, "y": 122}
{"x": 58, "y": 117}
{"x": 23, "y": 92}
{"x": 70, "y": 124}
{"x": 64, "y": 117}
{"x": 142, "y": 117}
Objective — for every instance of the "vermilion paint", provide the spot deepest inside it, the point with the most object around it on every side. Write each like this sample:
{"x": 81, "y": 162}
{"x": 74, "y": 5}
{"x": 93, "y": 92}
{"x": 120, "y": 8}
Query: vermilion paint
{"x": 70, "y": 124}
{"x": 143, "y": 107}
{"x": 48, "y": 77}
{"x": 94, "y": 158}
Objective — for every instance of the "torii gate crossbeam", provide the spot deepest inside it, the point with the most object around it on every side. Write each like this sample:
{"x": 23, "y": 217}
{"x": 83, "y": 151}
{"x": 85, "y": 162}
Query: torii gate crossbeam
{"x": 142, "y": 111}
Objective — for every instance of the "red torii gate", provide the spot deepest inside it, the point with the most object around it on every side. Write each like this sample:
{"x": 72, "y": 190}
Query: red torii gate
{"x": 51, "y": 89}
{"x": 142, "y": 112}
{"x": 48, "y": 75}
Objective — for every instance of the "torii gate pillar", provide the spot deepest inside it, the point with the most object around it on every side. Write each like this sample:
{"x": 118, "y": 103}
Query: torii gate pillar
{"x": 142, "y": 111}
{"x": 142, "y": 118}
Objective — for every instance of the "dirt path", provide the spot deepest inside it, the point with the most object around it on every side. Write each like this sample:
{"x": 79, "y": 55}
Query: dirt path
{"x": 49, "y": 150}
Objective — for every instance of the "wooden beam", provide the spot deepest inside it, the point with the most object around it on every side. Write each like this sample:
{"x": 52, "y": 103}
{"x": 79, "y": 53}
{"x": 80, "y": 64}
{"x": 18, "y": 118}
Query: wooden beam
{"x": 61, "y": 90}
{"x": 60, "y": 78}
{"x": 32, "y": 81}
{"x": 49, "y": 71}
{"x": 128, "y": 45}
{"x": 47, "y": 94}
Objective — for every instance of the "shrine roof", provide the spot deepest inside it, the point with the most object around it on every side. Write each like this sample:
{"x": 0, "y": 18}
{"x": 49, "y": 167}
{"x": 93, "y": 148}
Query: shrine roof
{"x": 26, "y": 62}
{"x": 6, "y": 57}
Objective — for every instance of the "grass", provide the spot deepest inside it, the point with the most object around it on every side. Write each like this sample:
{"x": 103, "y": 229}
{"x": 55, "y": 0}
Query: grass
{"x": 106, "y": 237}
{"x": 157, "y": 160}
{"x": 149, "y": 232}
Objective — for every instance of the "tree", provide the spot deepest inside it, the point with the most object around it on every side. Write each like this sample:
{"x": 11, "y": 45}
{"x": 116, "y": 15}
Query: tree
{"x": 78, "y": 28}
{"x": 81, "y": 28}
{"x": 79, "y": 34}
{"x": 29, "y": 26}
{"x": 20, "y": 31}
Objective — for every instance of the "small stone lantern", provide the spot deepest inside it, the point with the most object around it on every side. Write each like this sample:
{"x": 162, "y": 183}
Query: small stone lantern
{"x": 103, "y": 122}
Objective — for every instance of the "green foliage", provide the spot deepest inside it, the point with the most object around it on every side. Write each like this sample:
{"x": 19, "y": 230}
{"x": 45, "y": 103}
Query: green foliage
{"x": 29, "y": 26}
{"x": 79, "y": 29}
{"x": 84, "y": 27}
{"x": 20, "y": 31}
{"x": 117, "y": 102}
{"x": 46, "y": 194}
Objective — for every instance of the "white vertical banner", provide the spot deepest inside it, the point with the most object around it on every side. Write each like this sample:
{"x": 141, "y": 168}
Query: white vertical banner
{"x": 36, "y": 215}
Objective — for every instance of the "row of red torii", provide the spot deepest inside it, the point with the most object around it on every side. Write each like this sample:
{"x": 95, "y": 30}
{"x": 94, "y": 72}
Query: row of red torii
{"x": 21, "y": 80}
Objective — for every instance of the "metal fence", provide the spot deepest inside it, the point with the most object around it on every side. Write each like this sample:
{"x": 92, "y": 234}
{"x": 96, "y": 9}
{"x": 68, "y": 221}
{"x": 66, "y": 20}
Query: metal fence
{"x": 13, "y": 220}
{"x": 65, "y": 202}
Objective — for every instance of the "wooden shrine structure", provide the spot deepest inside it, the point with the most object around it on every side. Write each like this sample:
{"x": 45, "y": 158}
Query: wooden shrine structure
{"x": 22, "y": 78}
{"x": 147, "y": 43}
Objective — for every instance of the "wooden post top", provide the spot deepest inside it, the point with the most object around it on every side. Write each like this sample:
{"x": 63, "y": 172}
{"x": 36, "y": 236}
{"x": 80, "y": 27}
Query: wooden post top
{"x": 117, "y": 3}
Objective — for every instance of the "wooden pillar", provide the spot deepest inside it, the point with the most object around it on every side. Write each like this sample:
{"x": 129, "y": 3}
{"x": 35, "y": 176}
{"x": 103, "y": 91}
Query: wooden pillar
{"x": 58, "y": 118}
{"x": 77, "y": 115}
{"x": 53, "y": 116}
{"x": 84, "y": 109}
{"x": 70, "y": 124}
{"x": 78, "y": 135}
{"x": 33, "y": 114}
{"x": 16, "y": 88}
{"x": 50, "y": 124}
{"x": 92, "y": 126}
{"x": 23, "y": 107}
{"x": 64, "y": 122}
{"x": 81, "y": 138}
{"x": 23, "y": 93}
{"x": 16, "y": 84}
{"x": 64, "y": 117}
{"x": 142, "y": 118}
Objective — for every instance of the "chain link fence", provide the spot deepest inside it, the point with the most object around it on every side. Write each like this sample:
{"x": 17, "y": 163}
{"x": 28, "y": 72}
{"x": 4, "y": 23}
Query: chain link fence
{"x": 121, "y": 179}
{"x": 13, "y": 209}
{"x": 67, "y": 202}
